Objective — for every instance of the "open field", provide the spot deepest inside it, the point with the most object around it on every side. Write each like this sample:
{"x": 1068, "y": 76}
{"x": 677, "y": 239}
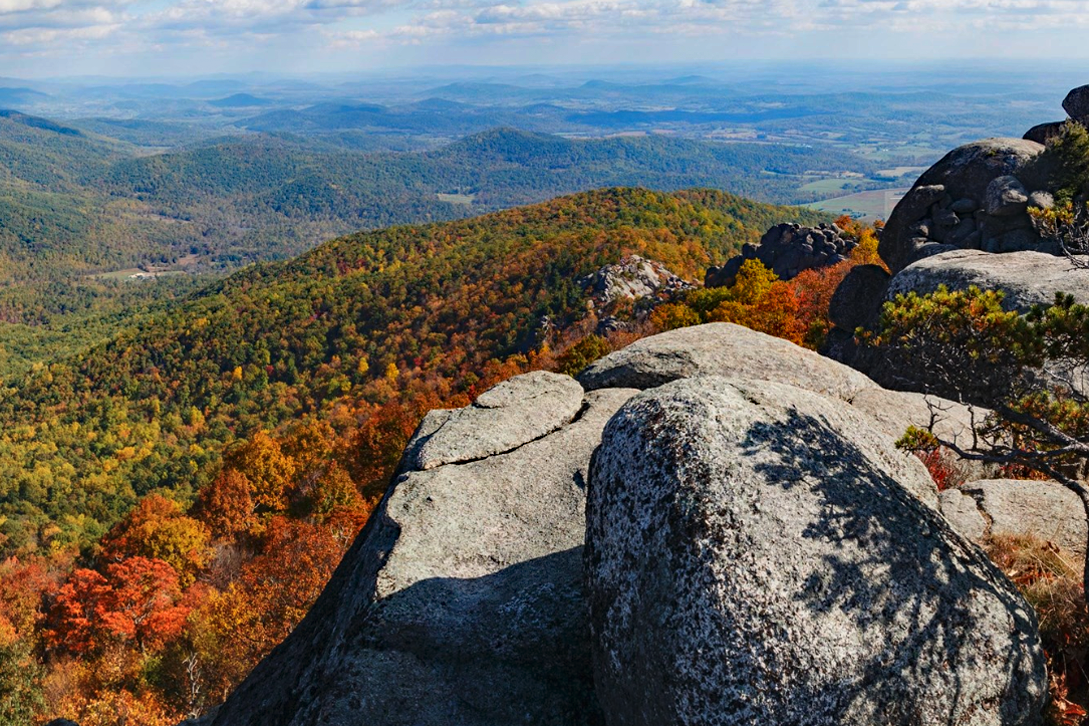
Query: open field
{"x": 868, "y": 206}
{"x": 900, "y": 171}
{"x": 831, "y": 186}
{"x": 466, "y": 199}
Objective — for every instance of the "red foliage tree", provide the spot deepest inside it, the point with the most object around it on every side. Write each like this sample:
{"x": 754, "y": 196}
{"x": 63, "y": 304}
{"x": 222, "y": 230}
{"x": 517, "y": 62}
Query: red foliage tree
{"x": 75, "y": 618}
{"x": 137, "y": 601}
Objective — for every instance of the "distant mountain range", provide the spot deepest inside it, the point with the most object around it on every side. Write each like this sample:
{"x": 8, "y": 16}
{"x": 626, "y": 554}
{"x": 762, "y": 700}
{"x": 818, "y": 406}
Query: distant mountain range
{"x": 75, "y": 201}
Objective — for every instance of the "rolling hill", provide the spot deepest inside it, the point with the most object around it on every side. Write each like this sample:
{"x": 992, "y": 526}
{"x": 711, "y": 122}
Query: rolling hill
{"x": 76, "y": 202}
{"x": 351, "y": 325}
{"x": 81, "y": 210}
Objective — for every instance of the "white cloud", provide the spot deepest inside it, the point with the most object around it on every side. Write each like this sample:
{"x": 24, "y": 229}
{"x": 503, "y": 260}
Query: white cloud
{"x": 117, "y": 26}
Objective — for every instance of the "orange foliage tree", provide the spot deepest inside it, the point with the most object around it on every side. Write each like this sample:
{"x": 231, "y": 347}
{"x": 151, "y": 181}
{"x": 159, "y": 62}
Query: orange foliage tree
{"x": 137, "y": 601}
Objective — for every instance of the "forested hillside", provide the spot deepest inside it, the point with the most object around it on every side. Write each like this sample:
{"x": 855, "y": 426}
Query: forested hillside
{"x": 352, "y": 323}
{"x": 81, "y": 212}
{"x": 173, "y": 501}
{"x": 71, "y": 202}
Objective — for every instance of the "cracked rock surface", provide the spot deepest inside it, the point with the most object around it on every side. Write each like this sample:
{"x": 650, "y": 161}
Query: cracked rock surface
{"x": 1042, "y": 509}
{"x": 462, "y": 600}
{"x": 514, "y": 412}
{"x": 753, "y": 556}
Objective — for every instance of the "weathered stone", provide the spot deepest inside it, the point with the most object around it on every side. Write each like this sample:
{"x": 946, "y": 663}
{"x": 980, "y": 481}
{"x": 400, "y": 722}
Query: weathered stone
{"x": 963, "y": 515}
{"x": 1017, "y": 240}
{"x": 1006, "y": 196}
{"x": 515, "y": 412}
{"x": 721, "y": 349}
{"x": 787, "y": 250}
{"x": 1044, "y": 133}
{"x": 1076, "y": 103}
{"x": 857, "y": 301}
{"x": 960, "y": 234}
{"x": 918, "y": 202}
{"x": 1043, "y": 509}
{"x": 1027, "y": 278}
{"x": 1041, "y": 200}
{"x": 461, "y": 602}
{"x": 965, "y": 175}
{"x": 921, "y": 230}
{"x": 964, "y": 206}
{"x": 946, "y": 218}
{"x": 754, "y": 556}
{"x": 895, "y": 411}
{"x": 632, "y": 278}
{"x": 929, "y": 249}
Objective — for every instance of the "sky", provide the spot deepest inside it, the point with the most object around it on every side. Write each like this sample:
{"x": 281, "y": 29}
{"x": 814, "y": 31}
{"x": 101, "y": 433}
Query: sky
{"x": 41, "y": 38}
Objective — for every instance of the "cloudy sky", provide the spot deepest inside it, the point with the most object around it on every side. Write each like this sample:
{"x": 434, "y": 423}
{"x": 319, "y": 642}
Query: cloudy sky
{"x": 183, "y": 37}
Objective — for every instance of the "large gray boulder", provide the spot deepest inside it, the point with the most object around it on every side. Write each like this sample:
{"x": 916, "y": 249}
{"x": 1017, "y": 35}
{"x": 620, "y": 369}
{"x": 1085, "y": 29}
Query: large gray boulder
{"x": 1076, "y": 104}
{"x": 721, "y": 349}
{"x": 725, "y": 349}
{"x": 754, "y": 556}
{"x": 462, "y": 600}
{"x": 1027, "y": 278}
{"x": 973, "y": 198}
{"x": 1043, "y": 509}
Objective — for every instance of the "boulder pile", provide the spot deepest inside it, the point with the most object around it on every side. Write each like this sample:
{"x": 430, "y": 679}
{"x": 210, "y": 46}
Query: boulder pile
{"x": 632, "y": 278}
{"x": 977, "y": 197}
{"x": 787, "y": 250}
{"x": 634, "y": 283}
{"x": 964, "y": 223}
{"x": 756, "y": 551}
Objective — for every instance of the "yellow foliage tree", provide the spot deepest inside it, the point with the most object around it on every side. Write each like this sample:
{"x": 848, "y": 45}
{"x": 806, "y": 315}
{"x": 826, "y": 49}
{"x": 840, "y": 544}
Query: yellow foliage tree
{"x": 268, "y": 470}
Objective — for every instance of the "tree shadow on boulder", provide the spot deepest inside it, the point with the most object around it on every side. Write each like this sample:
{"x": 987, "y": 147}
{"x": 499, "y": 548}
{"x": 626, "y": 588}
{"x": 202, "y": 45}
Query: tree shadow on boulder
{"x": 941, "y": 633}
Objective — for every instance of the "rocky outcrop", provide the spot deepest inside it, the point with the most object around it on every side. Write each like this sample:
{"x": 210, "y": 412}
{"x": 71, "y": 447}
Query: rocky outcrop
{"x": 462, "y": 600}
{"x": 787, "y": 250}
{"x": 1044, "y": 133}
{"x": 1076, "y": 104}
{"x": 1043, "y": 509}
{"x": 1026, "y": 278}
{"x": 721, "y": 349}
{"x": 974, "y": 198}
{"x": 753, "y": 555}
{"x": 632, "y": 278}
